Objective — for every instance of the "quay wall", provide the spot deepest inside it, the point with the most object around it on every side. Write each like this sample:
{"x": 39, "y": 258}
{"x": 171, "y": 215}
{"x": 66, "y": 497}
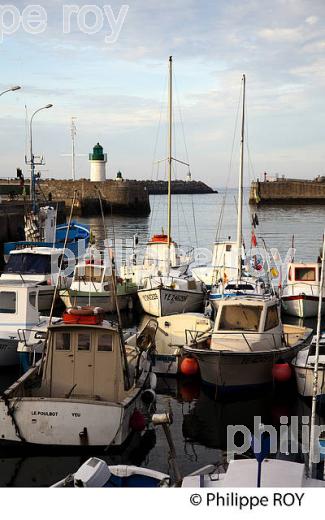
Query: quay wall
{"x": 287, "y": 191}
{"x": 120, "y": 197}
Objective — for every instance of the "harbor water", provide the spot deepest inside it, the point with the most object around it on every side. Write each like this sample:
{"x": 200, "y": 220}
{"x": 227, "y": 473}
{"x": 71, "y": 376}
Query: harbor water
{"x": 200, "y": 422}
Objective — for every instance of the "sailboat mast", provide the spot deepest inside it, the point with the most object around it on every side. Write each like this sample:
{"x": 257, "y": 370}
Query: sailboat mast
{"x": 170, "y": 158}
{"x": 240, "y": 188}
{"x": 313, "y": 434}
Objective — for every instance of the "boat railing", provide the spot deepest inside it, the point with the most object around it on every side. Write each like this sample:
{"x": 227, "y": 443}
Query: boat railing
{"x": 17, "y": 389}
{"x": 313, "y": 287}
{"x": 195, "y": 338}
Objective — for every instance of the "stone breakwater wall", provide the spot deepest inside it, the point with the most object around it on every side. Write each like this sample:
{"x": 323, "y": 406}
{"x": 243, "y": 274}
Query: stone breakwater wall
{"x": 286, "y": 191}
{"x": 120, "y": 197}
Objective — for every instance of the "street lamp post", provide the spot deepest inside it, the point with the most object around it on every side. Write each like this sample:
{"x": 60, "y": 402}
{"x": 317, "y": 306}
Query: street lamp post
{"x": 32, "y": 158}
{"x": 12, "y": 89}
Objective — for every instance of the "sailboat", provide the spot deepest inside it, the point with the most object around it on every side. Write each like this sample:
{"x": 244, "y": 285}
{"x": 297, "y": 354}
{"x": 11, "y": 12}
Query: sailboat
{"x": 248, "y": 335}
{"x": 169, "y": 290}
{"x": 226, "y": 276}
{"x": 309, "y": 364}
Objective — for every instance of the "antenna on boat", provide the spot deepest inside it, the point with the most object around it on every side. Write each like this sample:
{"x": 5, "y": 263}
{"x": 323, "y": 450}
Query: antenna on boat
{"x": 58, "y": 280}
{"x": 170, "y": 153}
{"x": 315, "y": 382}
{"x": 127, "y": 379}
{"x": 73, "y": 153}
{"x": 240, "y": 188}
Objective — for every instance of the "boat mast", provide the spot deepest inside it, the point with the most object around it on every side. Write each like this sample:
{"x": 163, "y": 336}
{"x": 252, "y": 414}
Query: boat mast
{"x": 73, "y": 154}
{"x": 170, "y": 157}
{"x": 313, "y": 439}
{"x": 240, "y": 189}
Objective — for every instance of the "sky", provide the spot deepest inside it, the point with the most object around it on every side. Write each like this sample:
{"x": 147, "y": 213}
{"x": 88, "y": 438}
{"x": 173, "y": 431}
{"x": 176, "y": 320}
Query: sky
{"x": 117, "y": 90}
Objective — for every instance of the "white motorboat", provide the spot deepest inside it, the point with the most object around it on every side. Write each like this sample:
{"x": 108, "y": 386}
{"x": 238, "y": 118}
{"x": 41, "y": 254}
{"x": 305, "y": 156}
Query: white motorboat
{"x": 247, "y": 340}
{"x": 86, "y": 391}
{"x": 92, "y": 285}
{"x": 168, "y": 335}
{"x": 275, "y": 473}
{"x": 300, "y": 293}
{"x": 39, "y": 265}
{"x": 95, "y": 473}
{"x": 21, "y": 325}
{"x": 304, "y": 365}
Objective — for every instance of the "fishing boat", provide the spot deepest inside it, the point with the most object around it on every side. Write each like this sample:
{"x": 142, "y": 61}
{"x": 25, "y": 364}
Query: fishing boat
{"x": 276, "y": 473}
{"x": 247, "y": 340}
{"x": 300, "y": 293}
{"x": 92, "y": 285}
{"x": 165, "y": 292}
{"x": 39, "y": 265}
{"x": 96, "y": 473}
{"x": 22, "y": 328}
{"x": 304, "y": 366}
{"x": 41, "y": 230}
{"x": 168, "y": 335}
{"x": 87, "y": 390}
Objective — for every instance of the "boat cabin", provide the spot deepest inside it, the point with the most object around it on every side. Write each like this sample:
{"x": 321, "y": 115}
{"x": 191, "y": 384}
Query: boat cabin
{"x": 158, "y": 253}
{"x": 33, "y": 263}
{"x": 92, "y": 276}
{"x": 18, "y": 305}
{"x": 303, "y": 273}
{"x": 85, "y": 361}
{"x": 253, "y": 323}
{"x": 225, "y": 258}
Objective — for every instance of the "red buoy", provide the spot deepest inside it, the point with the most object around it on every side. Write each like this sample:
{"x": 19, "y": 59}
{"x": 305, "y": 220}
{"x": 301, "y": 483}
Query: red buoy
{"x": 281, "y": 372}
{"x": 137, "y": 421}
{"x": 189, "y": 366}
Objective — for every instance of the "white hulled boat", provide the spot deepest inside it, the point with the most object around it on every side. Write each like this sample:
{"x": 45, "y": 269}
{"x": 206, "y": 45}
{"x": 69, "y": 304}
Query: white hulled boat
{"x": 304, "y": 366}
{"x": 244, "y": 473}
{"x": 169, "y": 335}
{"x": 95, "y": 473}
{"x": 39, "y": 265}
{"x": 21, "y": 325}
{"x": 86, "y": 390}
{"x": 92, "y": 285}
{"x": 247, "y": 340}
{"x": 301, "y": 291}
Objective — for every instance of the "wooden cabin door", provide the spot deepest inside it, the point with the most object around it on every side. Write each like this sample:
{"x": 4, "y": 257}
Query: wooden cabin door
{"x": 83, "y": 377}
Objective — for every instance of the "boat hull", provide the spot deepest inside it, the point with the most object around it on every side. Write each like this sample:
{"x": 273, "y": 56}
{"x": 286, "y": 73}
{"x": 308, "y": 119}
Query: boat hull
{"x": 67, "y": 422}
{"x": 234, "y": 372}
{"x": 305, "y": 380}
{"x": 302, "y": 305}
{"x": 163, "y": 301}
{"x": 8, "y": 352}
{"x": 105, "y": 301}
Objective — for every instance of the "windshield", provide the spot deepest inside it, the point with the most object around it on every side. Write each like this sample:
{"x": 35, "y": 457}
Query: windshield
{"x": 240, "y": 317}
{"x": 28, "y": 263}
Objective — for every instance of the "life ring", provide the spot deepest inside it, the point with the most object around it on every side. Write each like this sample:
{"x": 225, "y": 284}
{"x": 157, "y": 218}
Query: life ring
{"x": 85, "y": 311}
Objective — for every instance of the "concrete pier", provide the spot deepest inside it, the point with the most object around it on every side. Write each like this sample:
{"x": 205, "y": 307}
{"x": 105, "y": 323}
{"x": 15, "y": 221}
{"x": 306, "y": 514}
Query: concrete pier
{"x": 288, "y": 191}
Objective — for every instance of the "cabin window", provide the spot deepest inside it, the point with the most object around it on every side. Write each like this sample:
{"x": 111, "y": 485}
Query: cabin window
{"x": 28, "y": 263}
{"x": 7, "y": 302}
{"x": 228, "y": 247}
{"x": 84, "y": 342}
{"x": 272, "y": 318}
{"x": 305, "y": 274}
{"x": 289, "y": 275}
{"x": 240, "y": 317}
{"x": 89, "y": 273}
{"x": 62, "y": 341}
{"x": 32, "y": 299}
{"x": 105, "y": 342}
